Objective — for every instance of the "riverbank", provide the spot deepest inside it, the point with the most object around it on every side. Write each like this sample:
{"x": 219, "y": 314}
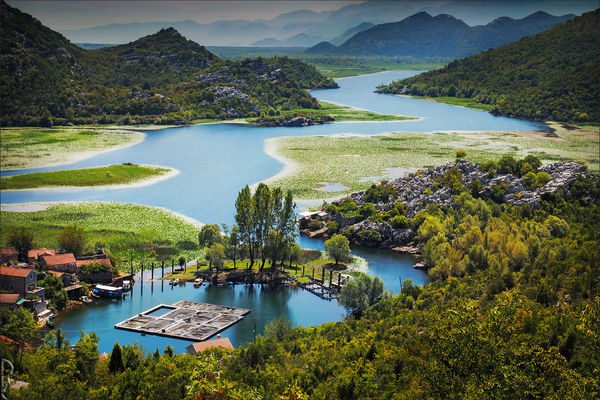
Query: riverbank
{"x": 356, "y": 161}
{"x": 108, "y": 177}
{"x": 128, "y": 231}
{"x": 467, "y": 102}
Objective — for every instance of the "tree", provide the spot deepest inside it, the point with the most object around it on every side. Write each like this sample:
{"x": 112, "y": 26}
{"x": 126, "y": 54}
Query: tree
{"x": 72, "y": 239}
{"x": 361, "y": 292}
{"x": 233, "y": 244}
{"x": 115, "y": 363}
{"x": 338, "y": 248}
{"x": 215, "y": 255}
{"x": 294, "y": 252}
{"x": 86, "y": 356}
{"x": 460, "y": 154}
{"x": 263, "y": 217}
{"x": 209, "y": 234}
{"x": 244, "y": 219}
{"x": 22, "y": 240}
{"x": 169, "y": 351}
{"x": 18, "y": 324}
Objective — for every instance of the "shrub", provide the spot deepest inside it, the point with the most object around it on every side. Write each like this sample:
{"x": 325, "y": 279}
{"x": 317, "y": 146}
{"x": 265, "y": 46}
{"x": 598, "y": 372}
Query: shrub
{"x": 399, "y": 222}
{"x": 332, "y": 227}
{"x": 366, "y": 210}
{"x": 314, "y": 225}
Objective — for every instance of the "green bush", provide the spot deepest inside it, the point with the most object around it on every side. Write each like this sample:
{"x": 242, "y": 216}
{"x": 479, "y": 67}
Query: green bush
{"x": 314, "y": 225}
{"x": 332, "y": 227}
{"x": 399, "y": 222}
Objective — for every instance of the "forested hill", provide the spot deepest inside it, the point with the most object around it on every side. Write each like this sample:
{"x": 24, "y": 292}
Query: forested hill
{"x": 422, "y": 35}
{"x": 161, "y": 78}
{"x": 552, "y": 75}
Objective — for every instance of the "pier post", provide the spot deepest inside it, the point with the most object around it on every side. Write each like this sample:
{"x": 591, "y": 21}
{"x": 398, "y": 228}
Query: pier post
{"x": 323, "y": 276}
{"x": 172, "y": 266}
{"x": 339, "y": 281}
{"x": 162, "y": 266}
{"x": 153, "y": 270}
{"x": 303, "y": 270}
{"x": 330, "y": 277}
{"x": 142, "y": 278}
{"x": 313, "y": 274}
{"x": 184, "y": 266}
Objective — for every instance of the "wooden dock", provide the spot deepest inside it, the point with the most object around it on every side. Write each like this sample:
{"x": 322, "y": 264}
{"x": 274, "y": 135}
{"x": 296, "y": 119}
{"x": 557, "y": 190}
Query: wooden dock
{"x": 184, "y": 320}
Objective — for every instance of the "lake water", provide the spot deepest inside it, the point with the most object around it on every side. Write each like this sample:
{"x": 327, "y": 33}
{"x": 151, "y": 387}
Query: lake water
{"x": 216, "y": 161}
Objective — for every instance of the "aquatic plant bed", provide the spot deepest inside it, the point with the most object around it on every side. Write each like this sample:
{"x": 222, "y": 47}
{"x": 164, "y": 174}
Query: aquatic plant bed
{"x": 99, "y": 176}
{"x": 184, "y": 320}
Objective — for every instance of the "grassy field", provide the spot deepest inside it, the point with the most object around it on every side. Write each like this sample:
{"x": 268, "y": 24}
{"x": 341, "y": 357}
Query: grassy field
{"x": 126, "y": 230}
{"x": 355, "y": 161}
{"x": 457, "y": 101}
{"x": 110, "y": 175}
{"x": 40, "y": 147}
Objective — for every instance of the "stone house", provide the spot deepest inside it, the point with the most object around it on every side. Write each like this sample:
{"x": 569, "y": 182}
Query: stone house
{"x": 11, "y": 300}
{"x": 22, "y": 281}
{"x": 8, "y": 254}
{"x": 60, "y": 262}
{"x": 36, "y": 255}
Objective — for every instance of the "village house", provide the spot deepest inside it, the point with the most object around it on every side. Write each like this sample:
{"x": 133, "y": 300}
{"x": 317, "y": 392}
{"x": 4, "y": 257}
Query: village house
{"x": 22, "y": 281}
{"x": 199, "y": 347}
{"x": 8, "y": 254}
{"x": 35, "y": 255}
{"x": 11, "y": 300}
{"x": 60, "y": 262}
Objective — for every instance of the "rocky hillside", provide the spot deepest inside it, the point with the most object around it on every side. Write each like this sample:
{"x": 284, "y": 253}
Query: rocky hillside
{"x": 162, "y": 78}
{"x": 382, "y": 216}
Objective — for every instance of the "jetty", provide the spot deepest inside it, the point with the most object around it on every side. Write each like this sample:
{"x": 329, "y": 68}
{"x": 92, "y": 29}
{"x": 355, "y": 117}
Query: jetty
{"x": 184, "y": 320}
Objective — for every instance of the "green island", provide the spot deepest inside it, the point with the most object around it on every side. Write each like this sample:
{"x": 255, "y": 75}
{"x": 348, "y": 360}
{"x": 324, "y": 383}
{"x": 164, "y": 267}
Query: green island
{"x": 457, "y": 101}
{"x": 128, "y": 231}
{"x": 356, "y": 161}
{"x": 101, "y": 176}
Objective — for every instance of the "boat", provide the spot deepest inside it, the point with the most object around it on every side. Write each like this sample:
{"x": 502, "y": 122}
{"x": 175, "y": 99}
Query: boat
{"x": 420, "y": 265}
{"x": 174, "y": 282}
{"x": 126, "y": 286}
{"x": 108, "y": 291}
{"x": 197, "y": 282}
{"x": 50, "y": 322}
{"x": 85, "y": 299}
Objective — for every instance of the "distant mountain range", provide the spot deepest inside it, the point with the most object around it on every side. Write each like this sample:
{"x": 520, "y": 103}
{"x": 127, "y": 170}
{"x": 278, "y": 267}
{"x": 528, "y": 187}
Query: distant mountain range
{"x": 160, "y": 78}
{"x": 422, "y": 35}
{"x": 552, "y": 75}
{"x": 326, "y": 25}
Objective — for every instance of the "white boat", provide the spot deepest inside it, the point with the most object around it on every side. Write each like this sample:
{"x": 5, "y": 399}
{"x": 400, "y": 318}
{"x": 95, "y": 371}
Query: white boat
{"x": 108, "y": 291}
{"x": 126, "y": 286}
{"x": 174, "y": 282}
{"x": 85, "y": 299}
{"x": 197, "y": 282}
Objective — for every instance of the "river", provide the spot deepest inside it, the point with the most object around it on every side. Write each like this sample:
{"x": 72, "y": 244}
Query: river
{"x": 216, "y": 161}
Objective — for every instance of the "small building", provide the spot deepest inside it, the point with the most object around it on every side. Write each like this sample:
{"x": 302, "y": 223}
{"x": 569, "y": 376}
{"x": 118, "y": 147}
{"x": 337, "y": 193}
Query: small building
{"x": 8, "y": 254}
{"x": 66, "y": 277}
{"x": 61, "y": 262}
{"x": 11, "y": 300}
{"x": 20, "y": 280}
{"x": 199, "y": 347}
{"x": 36, "y": 255}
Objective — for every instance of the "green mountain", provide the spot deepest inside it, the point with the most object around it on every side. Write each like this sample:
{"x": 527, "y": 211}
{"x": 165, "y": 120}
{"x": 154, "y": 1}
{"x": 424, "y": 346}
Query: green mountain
{"x": 552, "y": 75}
{"x": 422, "y": 35}
{"x": 161, "y": 78}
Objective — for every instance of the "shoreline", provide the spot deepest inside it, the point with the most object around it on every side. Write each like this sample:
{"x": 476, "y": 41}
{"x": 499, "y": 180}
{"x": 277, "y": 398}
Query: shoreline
{"x": 138, "y": 183}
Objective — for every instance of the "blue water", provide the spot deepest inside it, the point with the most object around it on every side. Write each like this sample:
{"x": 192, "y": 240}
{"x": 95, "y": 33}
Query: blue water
{"x": 216, "y": 161}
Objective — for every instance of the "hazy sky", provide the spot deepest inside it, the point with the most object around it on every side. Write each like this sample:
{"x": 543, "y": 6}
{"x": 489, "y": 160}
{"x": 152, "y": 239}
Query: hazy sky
{"x": 61, "y": 15}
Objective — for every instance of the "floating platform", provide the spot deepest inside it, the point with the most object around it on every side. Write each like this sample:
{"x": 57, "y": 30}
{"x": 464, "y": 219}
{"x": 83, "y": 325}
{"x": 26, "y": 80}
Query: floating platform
{"x": 185, "y": 319}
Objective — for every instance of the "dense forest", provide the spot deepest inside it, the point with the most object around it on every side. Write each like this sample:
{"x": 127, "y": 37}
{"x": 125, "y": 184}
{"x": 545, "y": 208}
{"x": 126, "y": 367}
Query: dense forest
{"x": 422, "y": 35}
{"x": 511, "y": 310}
{"x": 553, "y": 75}
{"x": 162, "y": 78}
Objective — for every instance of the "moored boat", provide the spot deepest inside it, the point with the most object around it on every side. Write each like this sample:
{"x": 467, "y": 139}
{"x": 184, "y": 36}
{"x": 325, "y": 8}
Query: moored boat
{"x": 174, "y": 282}
{"x": 108, "y": 291}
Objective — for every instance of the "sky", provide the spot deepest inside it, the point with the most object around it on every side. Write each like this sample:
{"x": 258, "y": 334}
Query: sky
{"x": 62, "y": 15}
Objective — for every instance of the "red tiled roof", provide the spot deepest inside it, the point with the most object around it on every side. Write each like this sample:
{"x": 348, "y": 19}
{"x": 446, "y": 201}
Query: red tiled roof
{"x": 12, "y": 271}
{"x": 57, "y": 274}
{"x": 96, "y": 261}
{"x": 59, "y": 259}
{"x": 201, "y": 346}
{"x": 9, "y": 298}
{"x": 8, "y": 251}
{"x": 41, "y": 252}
